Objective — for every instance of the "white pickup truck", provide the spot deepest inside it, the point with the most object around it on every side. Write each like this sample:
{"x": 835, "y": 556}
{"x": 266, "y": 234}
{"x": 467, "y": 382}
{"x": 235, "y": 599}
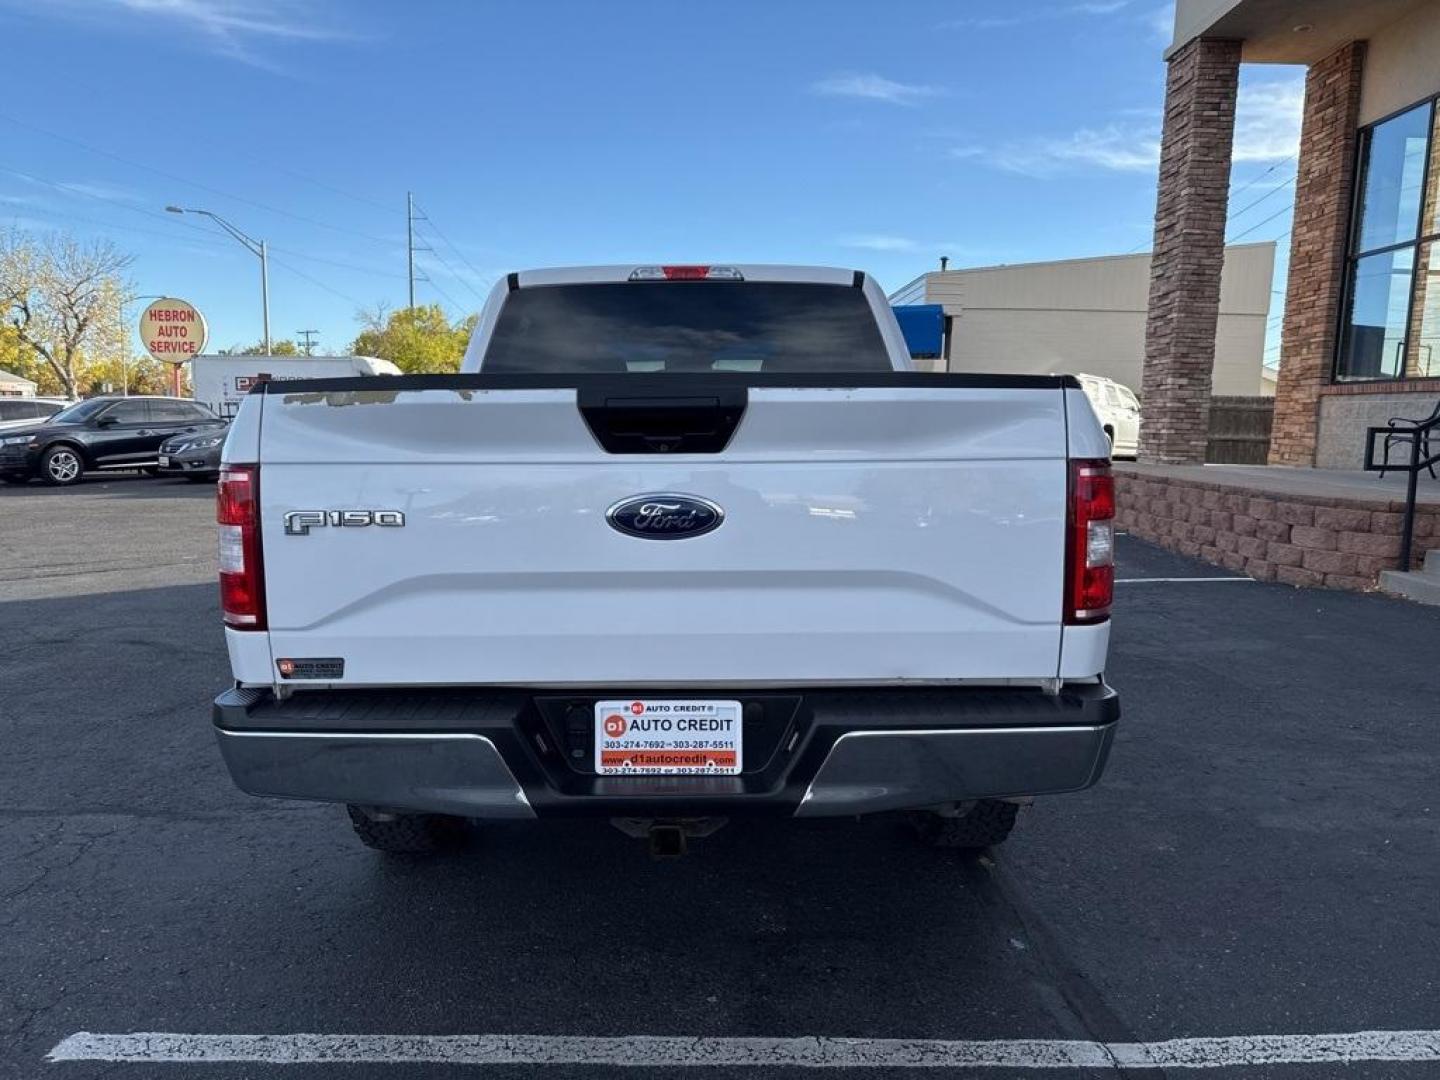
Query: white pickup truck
{"x": 679, "y": 544}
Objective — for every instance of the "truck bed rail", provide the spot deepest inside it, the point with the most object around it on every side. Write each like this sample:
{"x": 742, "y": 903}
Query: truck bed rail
{"x": 677, "y": 382}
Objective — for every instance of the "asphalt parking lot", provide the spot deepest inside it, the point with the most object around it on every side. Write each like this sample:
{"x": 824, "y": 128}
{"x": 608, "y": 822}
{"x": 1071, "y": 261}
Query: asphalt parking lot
{"x": 1262, "y": 858}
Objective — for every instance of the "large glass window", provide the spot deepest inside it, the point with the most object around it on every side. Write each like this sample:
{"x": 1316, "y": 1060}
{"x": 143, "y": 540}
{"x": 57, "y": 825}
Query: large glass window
{"x": 1392, "y": 299}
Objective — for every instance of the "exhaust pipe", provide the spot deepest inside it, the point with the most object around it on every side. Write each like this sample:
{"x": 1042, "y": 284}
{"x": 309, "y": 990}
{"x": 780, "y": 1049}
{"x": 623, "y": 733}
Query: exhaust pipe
{"x": 667, "y": 841}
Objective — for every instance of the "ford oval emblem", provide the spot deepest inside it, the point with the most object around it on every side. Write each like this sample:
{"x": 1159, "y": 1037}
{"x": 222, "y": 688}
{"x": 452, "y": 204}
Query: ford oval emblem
{"x": 664, "y": 516}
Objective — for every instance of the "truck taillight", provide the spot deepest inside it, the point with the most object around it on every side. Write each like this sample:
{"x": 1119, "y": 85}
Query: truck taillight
{"x": 242, "y": 577}
{"x": 1090, "y": 543}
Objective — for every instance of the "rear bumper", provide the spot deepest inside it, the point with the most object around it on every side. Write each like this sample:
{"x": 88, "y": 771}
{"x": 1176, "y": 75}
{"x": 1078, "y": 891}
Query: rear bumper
{"x": 497, "y": 753}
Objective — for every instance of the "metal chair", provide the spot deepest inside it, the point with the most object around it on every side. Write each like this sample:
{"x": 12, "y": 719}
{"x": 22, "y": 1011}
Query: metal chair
{"x": 1404, "y": 429}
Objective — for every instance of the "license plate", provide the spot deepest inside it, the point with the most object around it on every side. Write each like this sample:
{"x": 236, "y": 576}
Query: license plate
{"x": 654, "y": 737}
{"x": 164, "y": 462}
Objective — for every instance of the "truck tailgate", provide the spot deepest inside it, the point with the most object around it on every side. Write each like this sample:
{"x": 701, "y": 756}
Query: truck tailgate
{"x": 870, "y": 535}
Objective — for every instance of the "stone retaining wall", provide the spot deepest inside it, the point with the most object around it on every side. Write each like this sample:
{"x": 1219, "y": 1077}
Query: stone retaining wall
{"x": 1298, "y": 540}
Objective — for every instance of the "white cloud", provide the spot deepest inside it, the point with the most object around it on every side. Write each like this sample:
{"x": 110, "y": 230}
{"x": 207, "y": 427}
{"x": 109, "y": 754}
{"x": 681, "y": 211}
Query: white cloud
{"x": 873, "y": 88}
{"x": 1267, "y": 128}
{"x": 1267, "y": 120}
{"x": 232, "y": 20}
{"x": 109, "y": 192}
{"x": 876, "y": 242}
{"x": 235, "y": 28}
{"x": 1114, "y": 147}
{"x": 1161, "y": 22}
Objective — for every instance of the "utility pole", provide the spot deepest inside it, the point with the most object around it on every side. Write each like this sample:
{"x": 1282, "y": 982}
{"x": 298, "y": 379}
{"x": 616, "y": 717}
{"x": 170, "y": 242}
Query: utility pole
{"x": 410, "y": 242}
{"x": 308, "y": 345}
{"x": 413, "y": 215}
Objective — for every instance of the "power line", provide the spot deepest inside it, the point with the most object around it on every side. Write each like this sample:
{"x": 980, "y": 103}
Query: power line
{"x": 414, "y": 215}
{"x": 1261, "y": 224}
{"x": 43, "y": 211}
{"x": 193, "y": 183}
{"x": 70, "y": 190}
{"x": 1267, "y": 172}
{"x": 451, "y": 271}
{"x": 375, "y": 271}
{"x": 1249, "y": 206}
{"x": 326, "y": 187}
{"x": 488, "y": 278}
{"x": 308, "y": 344}
{"x": 436, "y": 286}
{"x": 316, "y": 281}
{"x": 1262, "y": 198}
{"x": 95, "y": 88}
{"x": 206, "y": 233}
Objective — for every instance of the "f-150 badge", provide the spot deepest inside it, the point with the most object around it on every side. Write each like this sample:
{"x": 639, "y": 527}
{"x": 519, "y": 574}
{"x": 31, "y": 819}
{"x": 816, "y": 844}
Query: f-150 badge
{"x": 664, "y": 516}
{"x": 300, "y": 522}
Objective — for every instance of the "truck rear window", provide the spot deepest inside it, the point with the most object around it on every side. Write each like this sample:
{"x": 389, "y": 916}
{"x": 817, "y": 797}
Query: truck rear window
{"x": 613, "y": 327}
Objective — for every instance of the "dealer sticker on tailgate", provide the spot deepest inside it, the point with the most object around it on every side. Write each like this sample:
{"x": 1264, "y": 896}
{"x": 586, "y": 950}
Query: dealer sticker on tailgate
{"x": 667, "y": 737}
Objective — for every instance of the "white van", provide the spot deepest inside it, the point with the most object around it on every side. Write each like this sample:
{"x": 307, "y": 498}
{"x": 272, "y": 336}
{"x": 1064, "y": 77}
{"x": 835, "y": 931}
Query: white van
{"x": 1119, "y": 412}
{"x": 221, "y": 382}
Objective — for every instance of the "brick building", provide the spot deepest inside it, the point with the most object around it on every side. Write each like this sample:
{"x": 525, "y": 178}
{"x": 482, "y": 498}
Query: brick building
{"x": 1361, "y": 333}
{"x": 1360, "y": 340}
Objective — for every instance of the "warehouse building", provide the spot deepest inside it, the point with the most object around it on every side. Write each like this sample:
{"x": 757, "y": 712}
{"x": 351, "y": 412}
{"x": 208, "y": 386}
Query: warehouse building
{"x": 1088, "y": 315}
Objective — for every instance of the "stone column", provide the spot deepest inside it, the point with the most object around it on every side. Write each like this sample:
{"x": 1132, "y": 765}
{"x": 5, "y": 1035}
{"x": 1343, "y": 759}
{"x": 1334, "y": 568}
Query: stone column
{"x": 1325, "y": 176}
{"x": 1189, "y": 251}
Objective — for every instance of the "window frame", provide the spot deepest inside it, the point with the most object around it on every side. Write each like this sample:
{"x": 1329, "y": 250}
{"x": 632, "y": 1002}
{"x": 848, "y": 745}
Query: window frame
{"x": 1353, "y": 256}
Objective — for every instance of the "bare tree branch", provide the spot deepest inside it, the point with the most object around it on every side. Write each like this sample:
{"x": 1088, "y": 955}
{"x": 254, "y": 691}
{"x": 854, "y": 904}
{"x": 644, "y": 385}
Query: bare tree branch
{"x": 62, "y": 297}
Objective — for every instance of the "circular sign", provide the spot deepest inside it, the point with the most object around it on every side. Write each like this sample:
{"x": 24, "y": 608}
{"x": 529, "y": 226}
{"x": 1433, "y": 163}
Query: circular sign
{"x": 173, "y": 330}
{"x": 615, "y": 725}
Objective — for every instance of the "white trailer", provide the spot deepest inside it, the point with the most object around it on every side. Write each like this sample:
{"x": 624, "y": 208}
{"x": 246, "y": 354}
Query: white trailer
{"x": 222, "y": 382}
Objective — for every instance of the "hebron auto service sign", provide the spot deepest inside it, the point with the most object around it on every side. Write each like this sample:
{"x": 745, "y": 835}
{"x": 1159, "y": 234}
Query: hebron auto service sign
{"x": 173, "y": 330}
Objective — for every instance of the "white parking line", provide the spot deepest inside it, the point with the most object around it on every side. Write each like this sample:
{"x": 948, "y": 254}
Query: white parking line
{"x": 820, "y": 1052}
{"x": 1174, "y": 580}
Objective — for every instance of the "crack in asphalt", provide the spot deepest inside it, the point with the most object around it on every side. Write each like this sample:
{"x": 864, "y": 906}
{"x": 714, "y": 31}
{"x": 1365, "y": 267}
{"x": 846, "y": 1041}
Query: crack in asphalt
{"x": 1080, "y": 1004}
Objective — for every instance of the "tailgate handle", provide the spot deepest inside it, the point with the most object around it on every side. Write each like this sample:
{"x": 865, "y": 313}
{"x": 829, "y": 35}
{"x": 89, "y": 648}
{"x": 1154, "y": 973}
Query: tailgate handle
{"x": 636, "y": 420}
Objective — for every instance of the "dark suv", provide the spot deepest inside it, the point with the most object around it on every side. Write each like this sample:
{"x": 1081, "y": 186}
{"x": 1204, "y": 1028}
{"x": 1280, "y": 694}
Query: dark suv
{"x": 101, "y": 433}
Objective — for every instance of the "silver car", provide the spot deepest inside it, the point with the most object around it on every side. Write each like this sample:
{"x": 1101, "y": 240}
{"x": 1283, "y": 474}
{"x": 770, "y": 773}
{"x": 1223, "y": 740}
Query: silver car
{"x": 195, "y": 456}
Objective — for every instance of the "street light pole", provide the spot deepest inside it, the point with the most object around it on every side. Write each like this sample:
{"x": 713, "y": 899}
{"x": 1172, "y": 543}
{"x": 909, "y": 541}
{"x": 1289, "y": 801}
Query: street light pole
{"x": 255, "y": 247}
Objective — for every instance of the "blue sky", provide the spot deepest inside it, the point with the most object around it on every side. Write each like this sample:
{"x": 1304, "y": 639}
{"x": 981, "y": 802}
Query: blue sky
{"x": 873, "y": 135}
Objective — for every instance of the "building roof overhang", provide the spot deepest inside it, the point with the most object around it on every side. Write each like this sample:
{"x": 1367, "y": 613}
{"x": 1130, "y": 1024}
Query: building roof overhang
{"x": 1285, "y": 31}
